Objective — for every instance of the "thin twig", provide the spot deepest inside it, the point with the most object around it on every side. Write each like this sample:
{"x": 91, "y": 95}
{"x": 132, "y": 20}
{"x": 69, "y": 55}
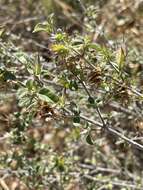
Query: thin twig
{"x": 114, "y": 132}
{"x": 97, "y": 108}
{"x": 122, "y": 109}
{"x": 81, "y": 5}
{"x": 99, "y": 169}
{"x": 109, "y": 130}
{"x": 119, "y": 183}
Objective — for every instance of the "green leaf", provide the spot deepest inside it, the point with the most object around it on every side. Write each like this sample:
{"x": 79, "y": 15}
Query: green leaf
{"x": 94, "y": 46}
{"x": 22, "y": 57}
{"x": 42, "y": 27}
{"x": 47, "y": 95}
{"x": 37, "y": 69}
{"x": 6, "y": 75}
{"x": 77, "y": 41}
{"x": 91, "y": 100}
{"x": 89, "y": 139}
{"x": 60, "y": 164}
{"x": 45, "y": 26}
{"x": 59, "y": 37}
{"x": 73, "y": 85}
{"x": 76, "y": 119}
{"x": 120, "y": 57}
{"x": 31, "y": 85}
{"x": 2, "y": 32}
{"x": 22, "y": 92}
{"x": 24, "y": 102}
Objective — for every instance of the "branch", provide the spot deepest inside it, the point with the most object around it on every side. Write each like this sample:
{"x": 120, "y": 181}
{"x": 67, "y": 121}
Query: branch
{"x": 119, "y": 183}
{"x": 108, "y": 129}
{"x": 114, "y": 132}
{"x": 122, "y": 109}
{"x": 81, "y": 5}
{"x": 94, "y": 169}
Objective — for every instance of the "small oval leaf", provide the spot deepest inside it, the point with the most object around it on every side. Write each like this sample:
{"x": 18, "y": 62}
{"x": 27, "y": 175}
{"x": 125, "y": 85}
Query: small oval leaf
{"x": 89, "y": 139}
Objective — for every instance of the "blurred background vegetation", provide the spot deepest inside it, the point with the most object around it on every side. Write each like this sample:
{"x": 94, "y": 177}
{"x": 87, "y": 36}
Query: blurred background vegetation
{"x": 46, "y": 156}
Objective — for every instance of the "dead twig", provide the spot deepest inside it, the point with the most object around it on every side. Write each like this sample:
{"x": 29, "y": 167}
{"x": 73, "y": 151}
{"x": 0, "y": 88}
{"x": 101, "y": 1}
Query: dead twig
{"x": 95, "y": 169}
{"x": 119, "y": 183}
